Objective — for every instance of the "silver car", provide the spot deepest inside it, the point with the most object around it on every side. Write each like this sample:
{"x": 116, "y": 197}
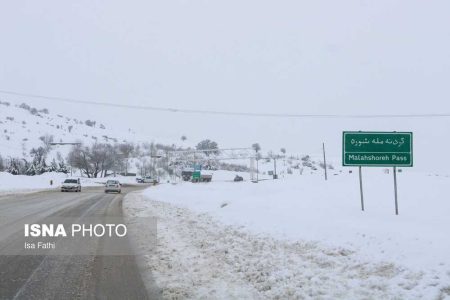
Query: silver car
{"x": 71, "y": 185}
{"x": 113, "y": 186}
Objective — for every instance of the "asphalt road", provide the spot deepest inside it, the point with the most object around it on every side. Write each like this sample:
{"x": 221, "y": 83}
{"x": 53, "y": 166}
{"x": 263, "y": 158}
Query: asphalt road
{"x": 67, "y": 276}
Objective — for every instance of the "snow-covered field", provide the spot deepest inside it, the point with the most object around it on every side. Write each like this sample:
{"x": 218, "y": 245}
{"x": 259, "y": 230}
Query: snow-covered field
{"x": 302, "y": 237}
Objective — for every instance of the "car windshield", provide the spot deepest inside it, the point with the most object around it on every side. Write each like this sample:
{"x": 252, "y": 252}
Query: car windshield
{"x": 112, "y": 182}
{"x": 70, "y": 181}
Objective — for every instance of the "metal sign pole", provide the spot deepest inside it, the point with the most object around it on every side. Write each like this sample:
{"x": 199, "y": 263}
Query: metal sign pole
{"x": 395, "y": 190}
{"x": 361, "y": 188}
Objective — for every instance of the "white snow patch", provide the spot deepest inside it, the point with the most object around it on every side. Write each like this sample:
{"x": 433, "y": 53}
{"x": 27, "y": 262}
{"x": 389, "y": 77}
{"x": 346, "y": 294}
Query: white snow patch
{"x": 303, "y": 237}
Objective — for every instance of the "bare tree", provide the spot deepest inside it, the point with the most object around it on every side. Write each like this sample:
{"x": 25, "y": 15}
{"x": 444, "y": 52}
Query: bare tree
{"x": 208, "y": 145}
{"x": 256, "y": 147}
{"x": 96, "y": 160}
{"x": 47, "y": 140}
{"x": 79, "y": 158}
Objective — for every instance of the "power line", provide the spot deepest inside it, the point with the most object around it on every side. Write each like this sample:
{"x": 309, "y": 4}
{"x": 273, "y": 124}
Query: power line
{"x": 228, "y": 113}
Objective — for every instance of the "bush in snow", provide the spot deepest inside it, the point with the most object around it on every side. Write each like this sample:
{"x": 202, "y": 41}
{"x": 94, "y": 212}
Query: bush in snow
{"x": 33, "y": 110}
{"x": 25, "y": 106}
{"x": 62, "y": 168}
{"x": 90, "y": 123}
{"x": 328, "y": 166}
{"x": 38, "y": 166}
{"x": 13, "y": 168}
{"x": 17, "y": 166}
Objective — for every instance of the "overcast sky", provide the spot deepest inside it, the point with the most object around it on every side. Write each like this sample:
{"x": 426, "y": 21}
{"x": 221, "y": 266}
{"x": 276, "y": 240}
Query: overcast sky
{"x": 305, "y": 57}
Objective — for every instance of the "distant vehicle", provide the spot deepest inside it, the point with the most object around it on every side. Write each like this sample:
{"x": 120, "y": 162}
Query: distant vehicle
{"x": 139, "y": 180}
{"x": 204, "y": 177}
{"x": 150, "y": 179}
{"x": 113, "y": 186}
{"x": 71, "y": 185}
{"x": 187, "y": 174}
{"x": 238, "y": 178}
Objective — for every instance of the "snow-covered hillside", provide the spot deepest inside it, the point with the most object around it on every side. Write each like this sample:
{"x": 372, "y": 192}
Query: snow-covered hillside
{"x": 21, "y": 127}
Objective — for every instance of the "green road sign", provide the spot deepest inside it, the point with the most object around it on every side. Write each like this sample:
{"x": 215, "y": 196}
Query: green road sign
{"x": 377, "y": 149}
{"x": 196, "y": 175}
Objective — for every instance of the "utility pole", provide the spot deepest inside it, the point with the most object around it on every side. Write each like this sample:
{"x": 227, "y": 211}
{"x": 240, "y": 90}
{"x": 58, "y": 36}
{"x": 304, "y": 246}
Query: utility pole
{"x": 257, "y": 169}
{"x": 324, "y": 161}
{"x": 275, "y": 168}
{"x": 257, "y": 166}
{"x": 167, "y": 164}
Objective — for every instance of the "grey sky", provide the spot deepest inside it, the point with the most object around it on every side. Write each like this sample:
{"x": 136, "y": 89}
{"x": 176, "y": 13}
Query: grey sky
{"x": 259, "y": 56}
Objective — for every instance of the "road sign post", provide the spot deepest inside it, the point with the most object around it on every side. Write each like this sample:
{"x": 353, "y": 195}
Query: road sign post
{"x": 377, "y": 149}
{"x": 361, "y": 188}
{"x": 395, "y": 190}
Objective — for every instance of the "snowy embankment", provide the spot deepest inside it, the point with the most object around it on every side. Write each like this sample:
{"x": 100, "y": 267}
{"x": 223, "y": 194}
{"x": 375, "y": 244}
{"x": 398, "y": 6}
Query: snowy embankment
{"x": 22, "y": 183}
{"x": 302, "y": 237}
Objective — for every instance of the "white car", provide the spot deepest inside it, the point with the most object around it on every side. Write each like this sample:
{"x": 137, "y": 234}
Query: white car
{"x": 113, "y": 186}
{"x": 71, "y": 185}
{"x": 149, "y": 179}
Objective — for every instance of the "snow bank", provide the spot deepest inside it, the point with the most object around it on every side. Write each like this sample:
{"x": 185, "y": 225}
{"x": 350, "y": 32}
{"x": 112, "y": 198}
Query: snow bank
{"x": 22, "y": 183}
{"x": 309, "y": 209}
